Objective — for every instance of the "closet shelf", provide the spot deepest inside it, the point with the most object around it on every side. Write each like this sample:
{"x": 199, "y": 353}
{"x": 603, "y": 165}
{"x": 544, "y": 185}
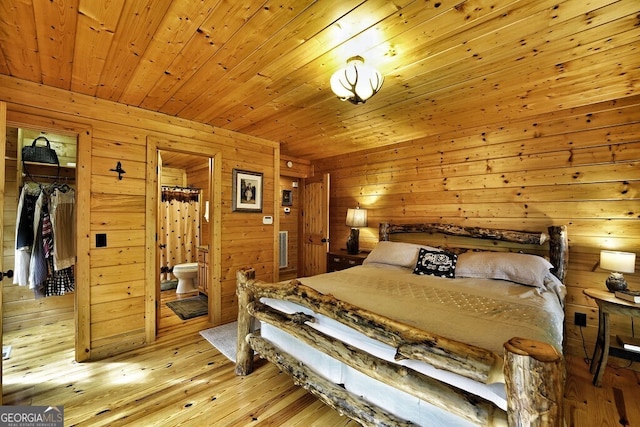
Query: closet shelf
{"x": 46, "y": 171}
{"x": 49, "y": 165}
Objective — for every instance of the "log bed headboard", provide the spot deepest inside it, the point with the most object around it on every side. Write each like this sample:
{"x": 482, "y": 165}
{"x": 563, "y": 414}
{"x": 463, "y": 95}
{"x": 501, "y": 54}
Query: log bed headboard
{"x": 557, "y": 238}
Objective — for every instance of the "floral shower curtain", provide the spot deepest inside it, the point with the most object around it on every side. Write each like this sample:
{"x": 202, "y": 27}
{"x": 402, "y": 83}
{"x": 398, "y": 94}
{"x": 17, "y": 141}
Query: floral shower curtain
{"x": 180, "y": 228}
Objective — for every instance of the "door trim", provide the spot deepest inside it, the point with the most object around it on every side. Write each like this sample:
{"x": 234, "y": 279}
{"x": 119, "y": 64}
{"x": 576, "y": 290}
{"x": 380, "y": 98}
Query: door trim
{"x": 82, "y": 294}
{"x": 152, "y": 273}
{"x": 3, "y": 146}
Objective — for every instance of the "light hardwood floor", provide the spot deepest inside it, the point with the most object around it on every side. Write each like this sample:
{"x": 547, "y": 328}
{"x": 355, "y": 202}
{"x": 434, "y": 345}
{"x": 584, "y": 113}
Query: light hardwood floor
{"x": 182, "y": 380}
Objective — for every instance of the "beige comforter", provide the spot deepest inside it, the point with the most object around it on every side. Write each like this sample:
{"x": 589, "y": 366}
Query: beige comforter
{"x": 481, "y": 312}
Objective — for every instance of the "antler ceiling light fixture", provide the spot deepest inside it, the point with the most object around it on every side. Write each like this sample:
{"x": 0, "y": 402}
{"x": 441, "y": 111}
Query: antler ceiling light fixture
{"x": 356, "y": 82}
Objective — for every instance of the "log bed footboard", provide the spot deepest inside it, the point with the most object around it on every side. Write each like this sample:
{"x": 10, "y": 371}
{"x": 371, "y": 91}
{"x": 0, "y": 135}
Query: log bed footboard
{"x": 533, "y": 371}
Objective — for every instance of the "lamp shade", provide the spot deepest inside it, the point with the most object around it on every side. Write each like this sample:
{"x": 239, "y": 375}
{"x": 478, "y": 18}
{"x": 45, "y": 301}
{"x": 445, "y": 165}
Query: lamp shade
{"x": 356, "y": 218}
{"x": 620, "y": 262}
{"x": 356, "y": 82}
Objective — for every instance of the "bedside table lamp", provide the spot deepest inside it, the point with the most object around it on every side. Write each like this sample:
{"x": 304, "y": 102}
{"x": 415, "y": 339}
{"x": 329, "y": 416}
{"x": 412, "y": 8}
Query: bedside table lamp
{"x": 355, "y": 218}
{"x": 617, "y": 263}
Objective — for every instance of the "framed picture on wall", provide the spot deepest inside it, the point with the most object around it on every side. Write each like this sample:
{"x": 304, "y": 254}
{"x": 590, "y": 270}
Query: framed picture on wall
{"x": 247, "y": 191}
{"x": 287, "y": 198}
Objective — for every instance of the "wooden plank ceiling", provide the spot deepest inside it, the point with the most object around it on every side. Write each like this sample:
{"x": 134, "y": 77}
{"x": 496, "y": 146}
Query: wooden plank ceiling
{"x": 263, "y": 67}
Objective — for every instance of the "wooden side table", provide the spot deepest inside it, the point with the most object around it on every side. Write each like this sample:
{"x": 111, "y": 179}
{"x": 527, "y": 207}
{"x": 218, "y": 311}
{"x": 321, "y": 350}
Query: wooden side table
{"x": 605, "y": 344}
{"x": 339, "y": 260}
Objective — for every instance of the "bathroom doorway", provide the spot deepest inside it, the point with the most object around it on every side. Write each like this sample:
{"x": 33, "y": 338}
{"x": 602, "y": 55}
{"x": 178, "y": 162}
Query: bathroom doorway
{"x": 183, "y": 230}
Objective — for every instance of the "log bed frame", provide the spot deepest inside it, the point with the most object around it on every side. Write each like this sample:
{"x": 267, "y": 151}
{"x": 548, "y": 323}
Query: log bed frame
{"x": 534, "y": 372}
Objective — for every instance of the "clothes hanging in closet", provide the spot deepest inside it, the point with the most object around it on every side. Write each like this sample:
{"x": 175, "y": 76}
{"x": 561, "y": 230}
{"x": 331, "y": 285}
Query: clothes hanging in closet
{"x": 45, "y": 244}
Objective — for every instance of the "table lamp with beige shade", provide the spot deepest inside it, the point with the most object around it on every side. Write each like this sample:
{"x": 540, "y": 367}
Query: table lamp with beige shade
{"x": 618, "y": 263}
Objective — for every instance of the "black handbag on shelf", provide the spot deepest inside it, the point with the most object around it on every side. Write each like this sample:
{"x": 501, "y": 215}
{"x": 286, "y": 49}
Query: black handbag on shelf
{"x": 39, "y": 153}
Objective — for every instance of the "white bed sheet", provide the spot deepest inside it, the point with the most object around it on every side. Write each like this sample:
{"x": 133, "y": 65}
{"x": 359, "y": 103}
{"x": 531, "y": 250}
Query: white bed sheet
{"x": 390, "y": 399}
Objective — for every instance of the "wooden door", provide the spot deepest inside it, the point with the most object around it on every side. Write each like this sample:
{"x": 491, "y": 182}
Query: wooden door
{"x": 315, "y": 225}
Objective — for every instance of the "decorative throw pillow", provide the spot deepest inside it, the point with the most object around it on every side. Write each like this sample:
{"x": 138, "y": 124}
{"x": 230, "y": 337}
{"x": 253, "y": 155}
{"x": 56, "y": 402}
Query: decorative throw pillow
{"x": 395, "y": 253}
{"x": 525, "y": 269}
{"x": 436, "y": 263}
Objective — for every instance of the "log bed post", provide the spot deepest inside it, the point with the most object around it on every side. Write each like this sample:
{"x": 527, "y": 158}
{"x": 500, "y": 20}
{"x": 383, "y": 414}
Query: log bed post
{"x": 244, "y": 352}
{"x": 559, "y": 250}
{"x": 534, "y": 377}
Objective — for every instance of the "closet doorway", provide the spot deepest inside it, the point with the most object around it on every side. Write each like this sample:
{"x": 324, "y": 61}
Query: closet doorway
{"x": 184, "y": 215}
{"x": 43, "y": 288}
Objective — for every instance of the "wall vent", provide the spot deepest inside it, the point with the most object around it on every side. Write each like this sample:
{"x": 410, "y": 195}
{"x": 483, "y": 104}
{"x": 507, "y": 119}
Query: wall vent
{"x": 284, "y": 249}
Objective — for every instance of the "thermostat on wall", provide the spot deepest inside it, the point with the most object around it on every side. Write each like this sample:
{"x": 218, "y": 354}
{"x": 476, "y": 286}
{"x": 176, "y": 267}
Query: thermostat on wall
{"x": 267, "y": 220}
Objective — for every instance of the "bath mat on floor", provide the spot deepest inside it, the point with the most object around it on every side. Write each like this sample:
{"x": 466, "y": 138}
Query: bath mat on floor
{"x": 189, "y": 308}
{"x": 223, "y": 338}
{"x": 168, "y": 285}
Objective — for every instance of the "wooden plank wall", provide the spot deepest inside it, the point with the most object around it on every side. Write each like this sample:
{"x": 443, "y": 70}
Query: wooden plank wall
{"x": 112, "y": 312}
{"x": 173, "y": 176}
{"x": 253, "y": 243}
{"x": 579, "y": 167}
{"x": 118, "y": 285}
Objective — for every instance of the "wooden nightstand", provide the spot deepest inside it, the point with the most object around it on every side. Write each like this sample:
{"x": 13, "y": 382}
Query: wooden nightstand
{"x": 606, "y": 344}
{"x": 339, "y": 260}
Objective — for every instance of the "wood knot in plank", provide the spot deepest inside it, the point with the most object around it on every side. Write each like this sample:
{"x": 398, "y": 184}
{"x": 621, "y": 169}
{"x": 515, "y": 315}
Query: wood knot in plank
{"x": 300, "y": 318}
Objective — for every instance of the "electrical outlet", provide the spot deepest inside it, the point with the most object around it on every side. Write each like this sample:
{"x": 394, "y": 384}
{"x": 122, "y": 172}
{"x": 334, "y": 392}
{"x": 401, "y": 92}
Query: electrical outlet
{"x": 580, "y": 319}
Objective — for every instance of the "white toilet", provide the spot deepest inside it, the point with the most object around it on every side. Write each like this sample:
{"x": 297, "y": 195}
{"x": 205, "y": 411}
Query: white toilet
{"x": 187, "y": 275}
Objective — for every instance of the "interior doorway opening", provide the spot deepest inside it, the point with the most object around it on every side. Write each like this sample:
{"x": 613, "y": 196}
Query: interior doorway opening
{"x": 183, "y": 230}
{"x": 31, "y": 298}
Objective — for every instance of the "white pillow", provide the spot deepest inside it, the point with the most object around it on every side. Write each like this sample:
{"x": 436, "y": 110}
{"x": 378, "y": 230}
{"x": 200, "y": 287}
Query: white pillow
{"x": 525, "y": 269}
{"x": 396, "y": 253}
